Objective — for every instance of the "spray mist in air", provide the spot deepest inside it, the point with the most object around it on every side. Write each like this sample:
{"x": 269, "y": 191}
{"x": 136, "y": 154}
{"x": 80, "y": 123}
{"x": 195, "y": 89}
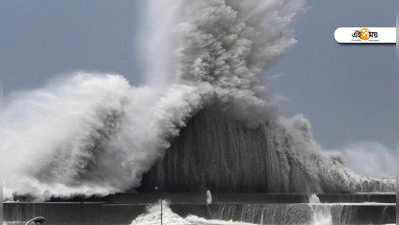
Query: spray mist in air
{"x": 98, "y": 134}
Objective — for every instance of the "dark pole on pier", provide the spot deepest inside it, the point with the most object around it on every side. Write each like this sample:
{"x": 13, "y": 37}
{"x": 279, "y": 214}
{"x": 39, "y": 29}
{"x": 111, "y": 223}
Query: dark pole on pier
{"x": 161, "y": 212}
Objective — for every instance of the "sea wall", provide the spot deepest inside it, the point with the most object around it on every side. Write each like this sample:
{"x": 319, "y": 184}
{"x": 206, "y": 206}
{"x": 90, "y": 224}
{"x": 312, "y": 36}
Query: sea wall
{"x": 123, "y": 214}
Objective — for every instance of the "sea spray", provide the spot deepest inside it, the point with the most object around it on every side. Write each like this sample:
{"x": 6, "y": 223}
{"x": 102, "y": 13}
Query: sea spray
{"x": 225, "y": 42}
{"x": 88, "y": 134}
{"x": 155, "y": 212}
{"x": 321, "y": 213}
{"x": 97, "y": 134}
{"x": 218, "y": 152}
{"x": 381, "y": 160}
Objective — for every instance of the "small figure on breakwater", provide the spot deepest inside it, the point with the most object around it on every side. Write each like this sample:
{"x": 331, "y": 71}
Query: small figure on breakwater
{"x": 208, "y": 197}
{"x": 208, "y": 202}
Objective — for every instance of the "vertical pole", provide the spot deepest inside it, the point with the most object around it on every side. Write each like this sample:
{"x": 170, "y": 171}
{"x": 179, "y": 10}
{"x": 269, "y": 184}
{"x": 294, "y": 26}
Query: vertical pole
{"x": 1, "y": 195}
{"x": 161, "y": 212}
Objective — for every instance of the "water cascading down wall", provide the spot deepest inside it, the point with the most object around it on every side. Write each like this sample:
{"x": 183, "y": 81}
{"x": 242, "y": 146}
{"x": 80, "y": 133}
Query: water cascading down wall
{"x": 218, "y": 152}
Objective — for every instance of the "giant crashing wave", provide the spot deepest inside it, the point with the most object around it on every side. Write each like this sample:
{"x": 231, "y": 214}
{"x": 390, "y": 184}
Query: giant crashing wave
{"x": 204, "y": 105}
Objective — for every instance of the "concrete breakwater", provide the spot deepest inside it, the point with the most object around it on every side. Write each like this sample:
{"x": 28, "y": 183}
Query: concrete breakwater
{"x": 251, "y": 208}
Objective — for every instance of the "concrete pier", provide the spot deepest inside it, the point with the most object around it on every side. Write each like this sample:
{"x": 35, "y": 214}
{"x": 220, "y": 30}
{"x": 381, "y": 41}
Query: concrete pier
{"x": 121, "y": 209}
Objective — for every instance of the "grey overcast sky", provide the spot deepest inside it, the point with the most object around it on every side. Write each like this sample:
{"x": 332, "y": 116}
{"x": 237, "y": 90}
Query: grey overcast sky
{"x": 350, "y": 93}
